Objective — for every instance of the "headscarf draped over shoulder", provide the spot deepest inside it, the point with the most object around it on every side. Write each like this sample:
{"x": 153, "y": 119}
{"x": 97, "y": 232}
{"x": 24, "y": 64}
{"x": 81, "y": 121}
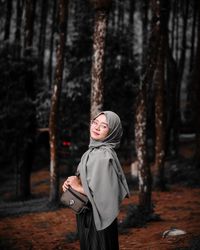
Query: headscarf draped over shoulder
{"x": 101, "y": 174}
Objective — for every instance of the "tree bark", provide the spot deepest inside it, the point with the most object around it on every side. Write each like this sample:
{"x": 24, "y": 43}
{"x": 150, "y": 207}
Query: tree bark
{"x": 159, "y": 83}
{"x": 144, "y": 173}
{"x": 100, "y": 4}
{"x": 144, "y": 13}
{"x": 177, "y": 30}
{"x": 120, "y": 16}
{"x": 196, "y": 80}
{"x": 26, "y": 163}
{"x": 159, "y": 86}
{"x": 173, "y": 11}
{"x": 53, "y": 119}
{"x": 54, "y": 11}
{"x": 180, "y": 64}
{"x": 20, "y": 4}
{"x": 131, "y": 28}
{"x": 29, "y": 25}
{"x": 194, "y": 21}
{"x": 172, "y": 79}
{"x": 148, "y": 67}
{"x": 97, "y": 86}
{"x": 42, "y": 36}
{"x": 8, "y": 19}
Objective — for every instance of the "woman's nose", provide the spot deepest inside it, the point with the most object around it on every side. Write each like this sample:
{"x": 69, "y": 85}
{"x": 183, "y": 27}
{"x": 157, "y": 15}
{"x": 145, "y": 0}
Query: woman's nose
{"x": 97, "y": 126}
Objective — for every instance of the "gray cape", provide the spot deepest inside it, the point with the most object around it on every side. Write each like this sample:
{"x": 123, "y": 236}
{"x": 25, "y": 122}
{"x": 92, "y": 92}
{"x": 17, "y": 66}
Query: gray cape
{"x": 101, "y": 174}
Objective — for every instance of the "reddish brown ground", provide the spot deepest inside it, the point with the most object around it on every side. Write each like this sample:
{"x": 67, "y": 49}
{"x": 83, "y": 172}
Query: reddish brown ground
{"x": 179, "y": 208}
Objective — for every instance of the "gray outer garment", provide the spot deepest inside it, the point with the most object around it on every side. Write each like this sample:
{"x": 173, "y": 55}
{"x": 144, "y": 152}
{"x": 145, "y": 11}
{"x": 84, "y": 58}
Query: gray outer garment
{"x": 101, "y": 174}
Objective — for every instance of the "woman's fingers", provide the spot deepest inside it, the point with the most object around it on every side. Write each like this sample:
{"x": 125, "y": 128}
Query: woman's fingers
{"x": 65, "y": 185}
{"x": 70, "y": 181}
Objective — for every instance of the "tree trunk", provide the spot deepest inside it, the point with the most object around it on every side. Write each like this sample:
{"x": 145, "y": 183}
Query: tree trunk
{"x": 25, "y": 166}
{"x": 144, "y": 173}
{"x": 131, "y": 28}
{"x": 195, "y": 8}
{"x": 29, "y": 25}
{"x": 120, "y": 16}
{"x": 172, "y": 79}
{"x": 98, "y": 61}
{"x": 173, "y": 11}
{"x": 18, "y": 27}
{"x": 159, "y": 86}
{"x": 8, "y": 19}
{"x": 54, "y": 11}
{"x": 196, "y": 80}
{"x": 144, "y": 13}
{"x": 180, "y": 69}
{"x": 148, "y": 68}
{"x": 181, "y": 64}
{"x": 159, "y": 83}
{"x": 54, "y": 168}
{"x": 177, "y": 30}
{"x": 42, "y": 36}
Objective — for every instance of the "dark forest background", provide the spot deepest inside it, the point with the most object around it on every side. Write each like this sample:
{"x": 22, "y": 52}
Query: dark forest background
{"x": 29, "y": 37}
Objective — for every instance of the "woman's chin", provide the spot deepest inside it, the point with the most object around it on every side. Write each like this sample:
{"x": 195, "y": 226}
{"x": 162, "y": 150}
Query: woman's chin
{"x": 95, "y": 138}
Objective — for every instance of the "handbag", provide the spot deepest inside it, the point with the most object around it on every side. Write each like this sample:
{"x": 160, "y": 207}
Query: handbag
{"x": 73, "y": 199}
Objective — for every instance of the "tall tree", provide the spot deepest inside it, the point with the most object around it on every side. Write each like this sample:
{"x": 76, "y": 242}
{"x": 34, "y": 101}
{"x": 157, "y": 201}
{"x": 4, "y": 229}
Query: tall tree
{"x": 120, "y": 15}
{"x": 53, "y": 119}
{"x": 101, "y": 15}
{"x": 172, "y": 82}
{"x": 180, "y": 62}
{"x": 196, "y": 91}
{"x": 131, "y": 26}
{"x": 173, "y": 22}
{"x": 20, "y": 4}
{"x": 189, "y": 112}
{"x": 29, "y": 24}
{"x": 30, "y": 129}
{"x": 27, "y": 157}
{"x": 146, "y": 77}
{"x": 51, "y": 47}
{"x": 177, "y": 37}
{"x": 42, "y": 36}
{"x": 159, "y": 88}
{"x": 194, "y": 21}
{"x": 9, "y": 6}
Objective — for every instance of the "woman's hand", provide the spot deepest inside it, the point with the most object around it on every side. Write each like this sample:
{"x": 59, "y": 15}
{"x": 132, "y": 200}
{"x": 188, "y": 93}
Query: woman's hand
{"x": 74, "y": 182}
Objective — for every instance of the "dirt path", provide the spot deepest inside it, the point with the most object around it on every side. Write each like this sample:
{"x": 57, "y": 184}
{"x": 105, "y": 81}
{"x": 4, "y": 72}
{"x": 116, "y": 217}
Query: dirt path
{"x": 179, "y": 208}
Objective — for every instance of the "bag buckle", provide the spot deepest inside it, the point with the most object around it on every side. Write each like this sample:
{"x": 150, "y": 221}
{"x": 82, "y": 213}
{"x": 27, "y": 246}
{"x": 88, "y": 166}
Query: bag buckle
{"x": 71, "y": 202}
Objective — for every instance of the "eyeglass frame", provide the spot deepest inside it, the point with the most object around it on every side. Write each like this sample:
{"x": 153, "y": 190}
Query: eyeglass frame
{"x": 101, "y": 125}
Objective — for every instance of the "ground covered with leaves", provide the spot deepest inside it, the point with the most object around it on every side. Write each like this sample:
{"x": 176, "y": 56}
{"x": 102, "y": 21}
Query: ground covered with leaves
{"x": 36, "y": 225}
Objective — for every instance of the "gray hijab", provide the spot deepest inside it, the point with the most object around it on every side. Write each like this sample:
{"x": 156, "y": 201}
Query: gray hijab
{"x": 101, "y": 174}
{"x": 115, "y": 131}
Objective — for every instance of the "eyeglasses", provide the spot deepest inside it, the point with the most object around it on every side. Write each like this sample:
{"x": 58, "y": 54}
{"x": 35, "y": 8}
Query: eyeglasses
{"x": 102, "y": 126}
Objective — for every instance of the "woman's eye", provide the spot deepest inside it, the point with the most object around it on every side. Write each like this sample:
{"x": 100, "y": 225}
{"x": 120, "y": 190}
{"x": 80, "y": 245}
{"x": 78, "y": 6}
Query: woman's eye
{"x": 103, "y": 126}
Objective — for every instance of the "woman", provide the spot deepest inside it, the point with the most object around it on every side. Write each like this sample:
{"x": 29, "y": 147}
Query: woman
{"x": 101, "y": 178}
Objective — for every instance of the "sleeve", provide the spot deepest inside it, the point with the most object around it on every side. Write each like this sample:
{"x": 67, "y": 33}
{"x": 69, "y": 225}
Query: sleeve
{"x": 104, "y": 184}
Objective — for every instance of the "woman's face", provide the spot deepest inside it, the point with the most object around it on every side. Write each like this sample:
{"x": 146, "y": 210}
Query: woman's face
{"x": 99, "y": 128}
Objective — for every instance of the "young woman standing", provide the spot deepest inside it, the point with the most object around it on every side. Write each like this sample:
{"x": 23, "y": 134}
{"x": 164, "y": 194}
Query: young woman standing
{"x": 102, "y": 179}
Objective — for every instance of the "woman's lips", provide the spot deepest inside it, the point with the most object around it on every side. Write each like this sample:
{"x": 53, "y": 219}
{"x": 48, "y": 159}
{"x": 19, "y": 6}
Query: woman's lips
{"x": 95, "y": 133}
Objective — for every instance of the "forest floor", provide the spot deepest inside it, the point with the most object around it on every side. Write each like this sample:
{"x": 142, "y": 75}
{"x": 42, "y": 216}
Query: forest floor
{"x": 32, "y": 225}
